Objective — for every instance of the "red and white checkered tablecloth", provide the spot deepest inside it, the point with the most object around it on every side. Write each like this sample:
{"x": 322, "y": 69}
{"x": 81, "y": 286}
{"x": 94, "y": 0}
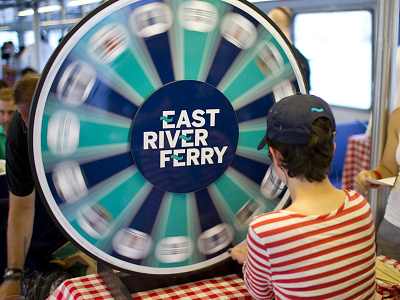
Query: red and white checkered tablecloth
{"x": 226, "y": 287}
{"x": 386, "y": 291}
{"x": 92, "y": 287}
{"x": 357, "y": 159}
{"x": 85, "y": 287}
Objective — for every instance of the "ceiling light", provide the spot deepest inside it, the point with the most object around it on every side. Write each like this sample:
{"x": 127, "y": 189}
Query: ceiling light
{"x": 49, "y": 8}
{"x": 24, "y": 13}
{"x": 44, "y": 9}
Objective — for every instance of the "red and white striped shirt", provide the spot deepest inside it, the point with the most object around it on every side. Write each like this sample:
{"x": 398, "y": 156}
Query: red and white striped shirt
{"x": 294, "y": 256}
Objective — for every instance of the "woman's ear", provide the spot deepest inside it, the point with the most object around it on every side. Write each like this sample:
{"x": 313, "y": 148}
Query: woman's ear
{"x": 276, "y": 156}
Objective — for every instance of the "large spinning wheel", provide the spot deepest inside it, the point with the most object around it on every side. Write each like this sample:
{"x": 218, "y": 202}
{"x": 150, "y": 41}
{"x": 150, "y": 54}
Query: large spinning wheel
{"x": 144, "y": 129}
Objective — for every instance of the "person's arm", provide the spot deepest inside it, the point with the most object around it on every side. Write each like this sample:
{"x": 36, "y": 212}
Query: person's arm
{"x": 239, "y": 253}
{"x": 257, "y": 269}
{"x": 388, "y": 166}
{"x": 19, "y": 234}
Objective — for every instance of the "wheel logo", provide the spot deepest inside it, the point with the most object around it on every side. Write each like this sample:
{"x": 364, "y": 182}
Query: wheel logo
{"x": 184, "y": 136}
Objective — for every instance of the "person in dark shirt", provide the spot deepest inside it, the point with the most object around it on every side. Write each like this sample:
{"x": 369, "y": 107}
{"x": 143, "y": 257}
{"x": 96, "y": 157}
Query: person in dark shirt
{"x": 32, "y": 236}
{"x": 7, "y": 110}
{"x": 283, "y": 18}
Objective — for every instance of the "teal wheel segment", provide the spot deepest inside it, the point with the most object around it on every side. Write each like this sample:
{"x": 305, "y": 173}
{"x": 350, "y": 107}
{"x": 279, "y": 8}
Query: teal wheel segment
{"x": 86, "y": 138}
{"x": 239, "y": 200}
{"x": 87, "y": 147}
{"x": 120, "y": 58}
{"x": 251, "y": 133}
{"x": 97, "y": 214}
{"x": 255, "y": 73}
{"x": 194, "y": 35}
{"x": 175, "y": 240}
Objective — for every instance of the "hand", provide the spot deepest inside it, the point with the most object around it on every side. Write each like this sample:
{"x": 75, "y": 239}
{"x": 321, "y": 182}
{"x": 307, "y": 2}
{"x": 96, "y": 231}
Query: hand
{"x": 239, "y": 253}
{"x": 361, "y": 184}
{"x": 10, "y": 288}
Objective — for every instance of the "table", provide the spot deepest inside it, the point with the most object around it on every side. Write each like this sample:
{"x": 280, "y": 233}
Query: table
{"x": 92, "y": 287}
{"x": 356, "y": 159}
{"x": 384, "y": 290}
{"x": 222, "y": 288}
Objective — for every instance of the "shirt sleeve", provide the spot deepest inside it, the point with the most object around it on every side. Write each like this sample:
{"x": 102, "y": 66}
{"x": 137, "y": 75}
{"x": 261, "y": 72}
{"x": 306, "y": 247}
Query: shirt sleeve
{"x": 18, "y": 170}
{"x": 257, "y": 269}
{"x": 24, "y": 58}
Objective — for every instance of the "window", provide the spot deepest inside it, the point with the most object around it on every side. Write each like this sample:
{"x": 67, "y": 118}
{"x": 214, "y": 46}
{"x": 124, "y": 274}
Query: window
{"x": 6, "y": 36}
{"x": 54, "y": 37}
{"x": 338, "y": 46}
{"x": 29, "y": 38}
{"x": 7, "y": 16}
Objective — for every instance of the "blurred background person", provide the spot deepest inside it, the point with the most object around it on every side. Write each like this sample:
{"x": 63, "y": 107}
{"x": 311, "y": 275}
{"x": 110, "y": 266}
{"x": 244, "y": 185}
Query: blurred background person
{"x": 7, "y": 110}
{"x": 28, "y": 57}
{"x": 32, "y": 236}
{"x": 28, "y": 71}
{"x": 283, "y": 18}
{"x": 4, "y": 108}
{"x": 8, "y": 53}
{"x": 10, "y": 68}
{"x": 3, "y": 84}
{"x": 388, "y": 234}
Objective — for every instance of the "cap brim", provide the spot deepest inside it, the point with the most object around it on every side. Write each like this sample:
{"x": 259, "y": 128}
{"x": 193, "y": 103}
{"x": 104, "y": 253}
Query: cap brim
{"x": 263, "y": 142}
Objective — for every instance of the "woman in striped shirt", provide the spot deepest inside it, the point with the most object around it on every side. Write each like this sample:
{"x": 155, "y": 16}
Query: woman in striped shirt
{"x": 321, "y": 246}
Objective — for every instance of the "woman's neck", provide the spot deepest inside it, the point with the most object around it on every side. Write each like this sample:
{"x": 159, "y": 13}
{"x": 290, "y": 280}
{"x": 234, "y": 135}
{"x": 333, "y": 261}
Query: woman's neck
{"x": 314, "y": 198}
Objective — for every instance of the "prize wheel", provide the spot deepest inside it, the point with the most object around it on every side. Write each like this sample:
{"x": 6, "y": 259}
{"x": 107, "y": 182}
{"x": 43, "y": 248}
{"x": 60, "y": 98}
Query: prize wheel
{"x": 144, "y": 128}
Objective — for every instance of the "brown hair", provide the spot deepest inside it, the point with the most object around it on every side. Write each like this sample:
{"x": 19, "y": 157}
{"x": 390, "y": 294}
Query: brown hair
{"x": 313, "y": 161}
{"x": 286, "y": 11}
{"x": 6, "y": 94}
{"x": 24, "y": 90}
{"x": 284, "y": 19}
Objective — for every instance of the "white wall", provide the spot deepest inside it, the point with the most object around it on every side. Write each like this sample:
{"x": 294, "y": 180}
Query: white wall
{"x": 344, "y": 114}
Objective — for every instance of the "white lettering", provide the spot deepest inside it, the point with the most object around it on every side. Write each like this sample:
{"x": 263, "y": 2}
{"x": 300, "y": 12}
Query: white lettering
{"x": 185, "y": 140}
{"x": 192, "y": 156}
{"x": 186, "y": 143}
{"x": 172, "y": 141}
{"x": 166, "y": 114}
{"x": 220, "y": 153}
{"x": 177, "y": 162}
{"x": 196, "y": 115}
{"x": 164, "y": 158}
{"x": 207, "y": 154}
{"x": 149, "y": 138}
{"x": 183, "y": 120}
{"x": 200, "y": 136}
{"x": 212, "y": 113}
{"x": 161, "y": 140}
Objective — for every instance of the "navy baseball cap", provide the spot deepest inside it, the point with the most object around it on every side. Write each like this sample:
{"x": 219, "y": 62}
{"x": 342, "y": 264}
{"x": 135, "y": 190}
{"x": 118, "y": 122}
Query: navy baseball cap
{"x": 289, "y": 120}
